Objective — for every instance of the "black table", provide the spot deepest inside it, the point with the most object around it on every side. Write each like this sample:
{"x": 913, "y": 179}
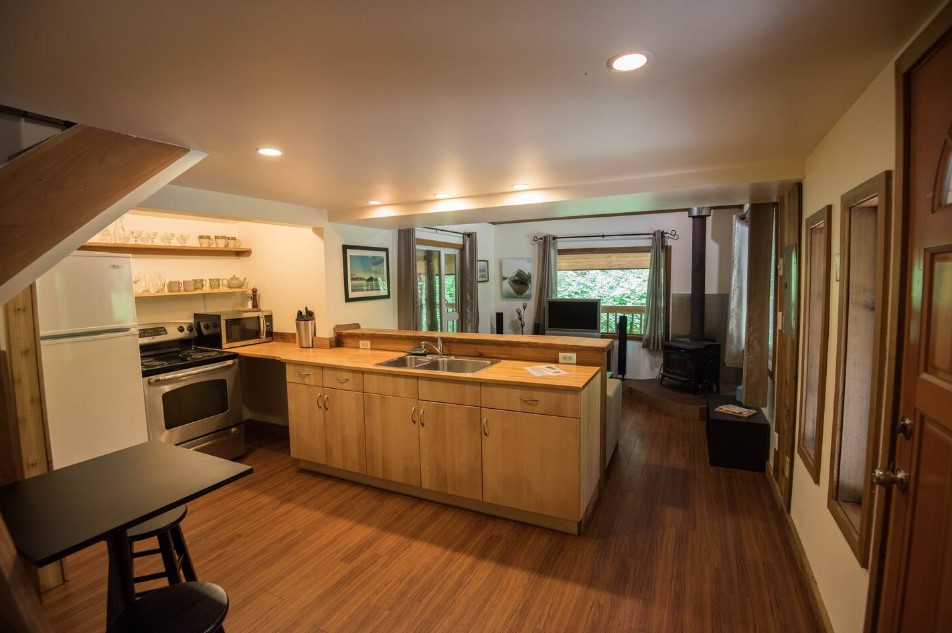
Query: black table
{"x": 61, "y": 512}
{"x": 736, "y": 442}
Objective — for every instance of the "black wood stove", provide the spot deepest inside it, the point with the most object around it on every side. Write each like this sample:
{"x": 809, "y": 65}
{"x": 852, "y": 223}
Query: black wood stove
{"x": 695, "y": 361}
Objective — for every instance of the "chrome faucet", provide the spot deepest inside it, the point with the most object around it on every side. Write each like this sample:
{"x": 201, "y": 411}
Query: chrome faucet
{"x": 438, "y": 346}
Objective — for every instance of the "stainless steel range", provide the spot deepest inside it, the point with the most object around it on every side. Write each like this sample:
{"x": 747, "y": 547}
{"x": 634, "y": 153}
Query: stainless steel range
{"x": 192, "y": 395}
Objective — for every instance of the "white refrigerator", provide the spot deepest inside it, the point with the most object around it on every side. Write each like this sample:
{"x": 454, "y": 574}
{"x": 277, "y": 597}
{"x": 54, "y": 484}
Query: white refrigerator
{"x": 92, "y": 378}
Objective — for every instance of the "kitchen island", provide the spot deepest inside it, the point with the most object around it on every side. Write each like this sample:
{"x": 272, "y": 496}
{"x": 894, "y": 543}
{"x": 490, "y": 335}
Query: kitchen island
{"x": 500, "y": 441}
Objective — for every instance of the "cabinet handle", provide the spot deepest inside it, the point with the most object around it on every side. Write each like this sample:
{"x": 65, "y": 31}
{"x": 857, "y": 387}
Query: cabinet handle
{"x": 342, "y": 380}
{"x": 486, "y": 427}
{"x": 422, "y": 417}
{"x": 302, "y": 374}
{"x": 413, "y": 414}
{"x": 320, "y": 403}
{"x": 327, "y": 402}
{"x": 529, "y": 400}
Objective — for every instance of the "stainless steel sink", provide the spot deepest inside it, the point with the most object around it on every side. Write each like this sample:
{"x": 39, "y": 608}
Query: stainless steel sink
{"x": 406, "y": 362}
{"x": 445, "y": 364}
{"x": 454, "y": 365}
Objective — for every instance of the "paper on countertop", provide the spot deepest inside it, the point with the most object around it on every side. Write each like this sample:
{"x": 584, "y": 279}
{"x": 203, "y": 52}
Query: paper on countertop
{"x": 545, "y": 370}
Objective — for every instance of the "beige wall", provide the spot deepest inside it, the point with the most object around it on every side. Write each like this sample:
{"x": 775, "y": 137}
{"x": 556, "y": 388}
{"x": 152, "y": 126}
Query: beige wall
{"x": 860, "y": 146}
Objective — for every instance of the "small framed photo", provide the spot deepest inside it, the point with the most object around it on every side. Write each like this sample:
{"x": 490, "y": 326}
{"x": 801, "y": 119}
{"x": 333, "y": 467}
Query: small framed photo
{"x": 366, "y": 273}
{"x": 482, "y": 270}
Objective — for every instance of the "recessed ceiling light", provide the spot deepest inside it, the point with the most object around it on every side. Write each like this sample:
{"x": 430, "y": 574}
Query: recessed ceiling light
{"x": 270, "y": 151}
{"x": 441, "y": 196}
{"x": 626, "y": 62}
{"x": 374, "y": 202}
{"x": 520, "y": 186}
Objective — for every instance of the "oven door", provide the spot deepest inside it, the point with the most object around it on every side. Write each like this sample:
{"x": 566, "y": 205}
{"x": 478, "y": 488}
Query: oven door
{"x": 184, "y": 405}
{"x": 245, "y": 330}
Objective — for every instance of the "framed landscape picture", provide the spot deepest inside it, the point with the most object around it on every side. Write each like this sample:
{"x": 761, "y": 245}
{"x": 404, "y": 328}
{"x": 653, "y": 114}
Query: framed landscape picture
{"x": 516, "y": 277}
{"x": 366, "y": 273}
{"x": 482, "y": 270}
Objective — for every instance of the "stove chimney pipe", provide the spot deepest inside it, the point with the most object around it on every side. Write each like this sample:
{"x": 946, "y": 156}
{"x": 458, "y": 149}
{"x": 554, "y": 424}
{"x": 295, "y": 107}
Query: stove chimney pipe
{"x": 698, "y": 217}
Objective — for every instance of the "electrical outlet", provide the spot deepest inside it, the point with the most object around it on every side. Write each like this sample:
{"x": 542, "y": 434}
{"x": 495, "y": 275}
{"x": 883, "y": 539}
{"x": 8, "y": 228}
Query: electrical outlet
{"x": 567, "y": 358}
{"x": 364, "y": 344}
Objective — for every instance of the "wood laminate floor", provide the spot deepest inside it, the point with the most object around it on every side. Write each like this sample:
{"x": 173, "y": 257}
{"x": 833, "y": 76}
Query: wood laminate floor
{"x": 675, "y": 545}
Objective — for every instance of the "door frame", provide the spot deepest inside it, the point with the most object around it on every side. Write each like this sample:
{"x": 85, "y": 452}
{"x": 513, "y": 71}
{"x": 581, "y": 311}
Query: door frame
{"x": 928, "y": 39}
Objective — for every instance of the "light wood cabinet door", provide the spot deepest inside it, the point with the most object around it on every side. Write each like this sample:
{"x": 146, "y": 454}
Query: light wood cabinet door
{"x": 306, "y": 423}
{"x": 531, "y": 462}
{"x": 303, "y": 374}
{"x": 561, "y": 402}
{"x": 393, "y": 442}
{"x": 451, "y": 449}
{"x": 344, "y": 428}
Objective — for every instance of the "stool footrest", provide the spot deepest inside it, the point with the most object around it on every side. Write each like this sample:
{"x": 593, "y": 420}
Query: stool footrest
{"x": 148, "y": 577}
{"x": 146, "y": 552}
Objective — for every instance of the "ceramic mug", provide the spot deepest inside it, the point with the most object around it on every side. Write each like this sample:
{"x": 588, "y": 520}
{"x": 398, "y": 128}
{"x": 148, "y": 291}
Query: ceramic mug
{"x": 174, "y": 286}
{"x": 199, "y": 284}
{"x": 221, "y": 241}
{"x": 214, "y": 283}
{"x": 188, "y": 285}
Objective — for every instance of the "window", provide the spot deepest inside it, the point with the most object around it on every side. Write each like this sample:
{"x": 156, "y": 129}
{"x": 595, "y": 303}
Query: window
{"x": 617, "y": 276}
{"x": 436, "y": 287}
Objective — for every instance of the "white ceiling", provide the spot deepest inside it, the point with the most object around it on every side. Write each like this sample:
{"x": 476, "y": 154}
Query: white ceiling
{"x": 395, "y": 100}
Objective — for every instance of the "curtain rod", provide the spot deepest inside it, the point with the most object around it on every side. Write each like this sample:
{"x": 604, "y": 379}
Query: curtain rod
{"x": 436, "y": 230}
{"x": 673, "y": 234}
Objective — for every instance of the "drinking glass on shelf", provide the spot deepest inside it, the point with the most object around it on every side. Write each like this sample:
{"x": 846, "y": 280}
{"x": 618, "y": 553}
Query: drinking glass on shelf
{"x": 166, "y": 238}
{"x": 105, "y": 236}
{"x": 150, "y": 236}
{"x": 119, "y": 233}
{"x": 140, "y": 283}
{"x": 182, "y": 238}
{"x": 157, "y": 281}
{"x": 136, "y": 236}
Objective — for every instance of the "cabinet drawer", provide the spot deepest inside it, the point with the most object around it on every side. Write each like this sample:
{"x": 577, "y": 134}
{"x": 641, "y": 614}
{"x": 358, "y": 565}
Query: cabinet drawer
{"x": 303, "y": 374}
{"x": 390, "y": 385}
{"x": 346, "y": 379}
{"x": 450, "y": 391}
{"x": 561, "y": 402}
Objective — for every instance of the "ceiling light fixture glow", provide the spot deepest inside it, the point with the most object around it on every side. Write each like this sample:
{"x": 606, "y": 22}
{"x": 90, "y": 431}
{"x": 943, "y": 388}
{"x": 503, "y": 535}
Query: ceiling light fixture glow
{"x": 374, "y": 202}
{"x": 270, "y": 151}
{"x": 441, "y": 196}
{"x": 626, "y": 62}
{"x": 520, "y": 186}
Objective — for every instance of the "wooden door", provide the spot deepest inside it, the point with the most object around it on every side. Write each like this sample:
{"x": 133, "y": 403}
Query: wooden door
{"x": 917, "y": 571}
{"x": 306, "y": 423}
{"x": 786, "y": 326}
{"x": 451, "y": 449}
{"x": 393, "y": 441}
{"x": 531, "y": 462}
{"x": 344, "y": 429}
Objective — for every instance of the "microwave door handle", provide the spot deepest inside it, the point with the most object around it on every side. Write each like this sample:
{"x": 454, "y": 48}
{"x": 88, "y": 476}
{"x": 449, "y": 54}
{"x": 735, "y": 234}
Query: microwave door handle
{"x": 179, "y": 375}
{"x": 261, "y": 326}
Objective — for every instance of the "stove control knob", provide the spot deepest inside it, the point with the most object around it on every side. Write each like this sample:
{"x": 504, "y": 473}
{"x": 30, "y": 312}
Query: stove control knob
{"x": 190, "y": 328}
{"x": 181, "y": 329}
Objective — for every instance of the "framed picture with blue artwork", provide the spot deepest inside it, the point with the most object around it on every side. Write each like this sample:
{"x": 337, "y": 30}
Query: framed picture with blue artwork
{"x": 366, "y": 273}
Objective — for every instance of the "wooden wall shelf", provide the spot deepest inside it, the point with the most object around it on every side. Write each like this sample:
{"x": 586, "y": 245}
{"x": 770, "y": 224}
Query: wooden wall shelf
{"x": 165, "y": 249}
{"x": 143, "y": 295}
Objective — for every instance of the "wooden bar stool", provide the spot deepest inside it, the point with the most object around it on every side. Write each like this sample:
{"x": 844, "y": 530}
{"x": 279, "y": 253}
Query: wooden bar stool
{"x": 176, "y": 561}
{"x": 190, "y": 607}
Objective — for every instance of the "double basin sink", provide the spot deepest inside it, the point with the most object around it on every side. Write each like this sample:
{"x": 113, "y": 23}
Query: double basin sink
{"x": 445, "y": 364}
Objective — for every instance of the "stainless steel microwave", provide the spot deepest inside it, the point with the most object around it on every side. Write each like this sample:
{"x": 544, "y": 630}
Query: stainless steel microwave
{"x": 234, "y": 328}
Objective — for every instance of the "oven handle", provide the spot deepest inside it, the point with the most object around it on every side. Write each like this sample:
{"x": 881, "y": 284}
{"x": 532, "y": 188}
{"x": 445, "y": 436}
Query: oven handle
{"x": 190, "y": 372}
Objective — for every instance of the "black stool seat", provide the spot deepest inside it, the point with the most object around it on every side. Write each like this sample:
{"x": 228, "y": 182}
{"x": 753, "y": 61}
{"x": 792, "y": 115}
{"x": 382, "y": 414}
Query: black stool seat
{"x": 154, "y": 526}
{"x": 190, "y": 607}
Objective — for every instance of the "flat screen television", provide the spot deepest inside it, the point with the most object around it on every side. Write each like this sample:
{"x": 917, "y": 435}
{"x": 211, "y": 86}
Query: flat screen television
{"x": 573, "y": 317}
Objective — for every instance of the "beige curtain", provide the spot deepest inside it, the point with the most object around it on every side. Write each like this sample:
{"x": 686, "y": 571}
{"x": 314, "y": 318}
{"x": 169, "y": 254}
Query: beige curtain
{"x": 467, "y": 288}
{"x": 737, "y": 308}
{"x": 407, "y": 299}
{"x": 543, "y": 285}
{"x": 653, "y": 335}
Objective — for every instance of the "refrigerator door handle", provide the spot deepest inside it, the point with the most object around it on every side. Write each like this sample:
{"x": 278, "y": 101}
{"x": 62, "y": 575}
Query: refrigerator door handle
{"x": 98, "y": 337}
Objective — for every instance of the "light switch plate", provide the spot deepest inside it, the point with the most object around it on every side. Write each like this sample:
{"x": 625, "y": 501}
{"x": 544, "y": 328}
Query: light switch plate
{"x": 567, "y": 358}
{"x": 364, "y": 344}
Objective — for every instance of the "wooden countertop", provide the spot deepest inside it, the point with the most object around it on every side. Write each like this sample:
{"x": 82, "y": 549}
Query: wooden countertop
{"x": 509, "y": 372}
